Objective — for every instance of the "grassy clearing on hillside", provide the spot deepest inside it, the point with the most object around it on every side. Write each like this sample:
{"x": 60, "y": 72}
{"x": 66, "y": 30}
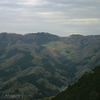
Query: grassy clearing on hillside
{"x": 56, "y": 46}
{"x": 60, "y": 48}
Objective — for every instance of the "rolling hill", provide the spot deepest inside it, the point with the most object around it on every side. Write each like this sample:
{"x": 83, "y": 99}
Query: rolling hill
{"x": 40, "y": 64}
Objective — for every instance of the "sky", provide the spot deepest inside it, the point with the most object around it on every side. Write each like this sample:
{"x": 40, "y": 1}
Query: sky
{"x": 59, "y": 17}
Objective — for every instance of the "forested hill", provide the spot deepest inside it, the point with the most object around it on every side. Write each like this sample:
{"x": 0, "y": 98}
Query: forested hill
{"x": 87, "y": 88}
{"x": 40, "y": 64}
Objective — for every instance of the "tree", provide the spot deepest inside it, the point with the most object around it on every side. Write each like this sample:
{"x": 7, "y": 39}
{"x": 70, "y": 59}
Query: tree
{"x": 94, "y": 95}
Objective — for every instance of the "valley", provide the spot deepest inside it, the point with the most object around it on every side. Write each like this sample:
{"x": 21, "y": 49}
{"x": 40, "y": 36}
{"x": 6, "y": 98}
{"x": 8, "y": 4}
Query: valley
{"x": 40, "y": 64}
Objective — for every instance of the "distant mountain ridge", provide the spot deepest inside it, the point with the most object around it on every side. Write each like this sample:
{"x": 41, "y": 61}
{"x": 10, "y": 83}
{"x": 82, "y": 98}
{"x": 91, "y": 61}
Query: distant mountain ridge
{"x": 40, "y": 64}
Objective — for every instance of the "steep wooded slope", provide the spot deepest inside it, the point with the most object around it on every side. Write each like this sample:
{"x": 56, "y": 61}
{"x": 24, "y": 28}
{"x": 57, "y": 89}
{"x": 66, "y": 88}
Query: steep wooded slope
{"x": 87, "y": 88}
{"x": 40, "y": 64}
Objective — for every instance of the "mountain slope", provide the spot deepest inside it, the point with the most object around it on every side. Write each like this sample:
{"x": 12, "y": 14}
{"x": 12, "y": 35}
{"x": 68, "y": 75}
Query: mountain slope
{"x": 79, "y": 53}
{"x": 39, "y": 65}
{"x": 87, "y": 88}
{"x": 24, "y": 70}
{"x": 28, "y": 68}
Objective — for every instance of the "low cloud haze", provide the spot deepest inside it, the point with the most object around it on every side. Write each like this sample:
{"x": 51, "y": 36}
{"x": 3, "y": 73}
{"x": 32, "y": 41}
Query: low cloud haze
{"x": 60, "y": 17}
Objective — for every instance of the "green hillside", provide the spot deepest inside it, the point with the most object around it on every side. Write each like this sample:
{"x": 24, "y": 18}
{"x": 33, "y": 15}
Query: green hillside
{"x": 86, "y": 88}
{"x": 40, "y": 64}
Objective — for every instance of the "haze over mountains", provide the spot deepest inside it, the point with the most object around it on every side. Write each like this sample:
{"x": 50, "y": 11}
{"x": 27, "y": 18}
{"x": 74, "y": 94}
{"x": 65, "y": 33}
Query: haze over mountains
{"x": 40, "y": 64}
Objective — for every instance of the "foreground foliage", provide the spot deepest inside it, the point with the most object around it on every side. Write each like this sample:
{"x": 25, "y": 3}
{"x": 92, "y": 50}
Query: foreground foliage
{"x": 87, "y": 88}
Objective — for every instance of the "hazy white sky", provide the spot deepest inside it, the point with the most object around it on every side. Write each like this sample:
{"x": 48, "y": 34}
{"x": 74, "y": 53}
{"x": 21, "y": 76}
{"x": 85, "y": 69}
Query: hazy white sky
{"x": 60, "y": 17}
